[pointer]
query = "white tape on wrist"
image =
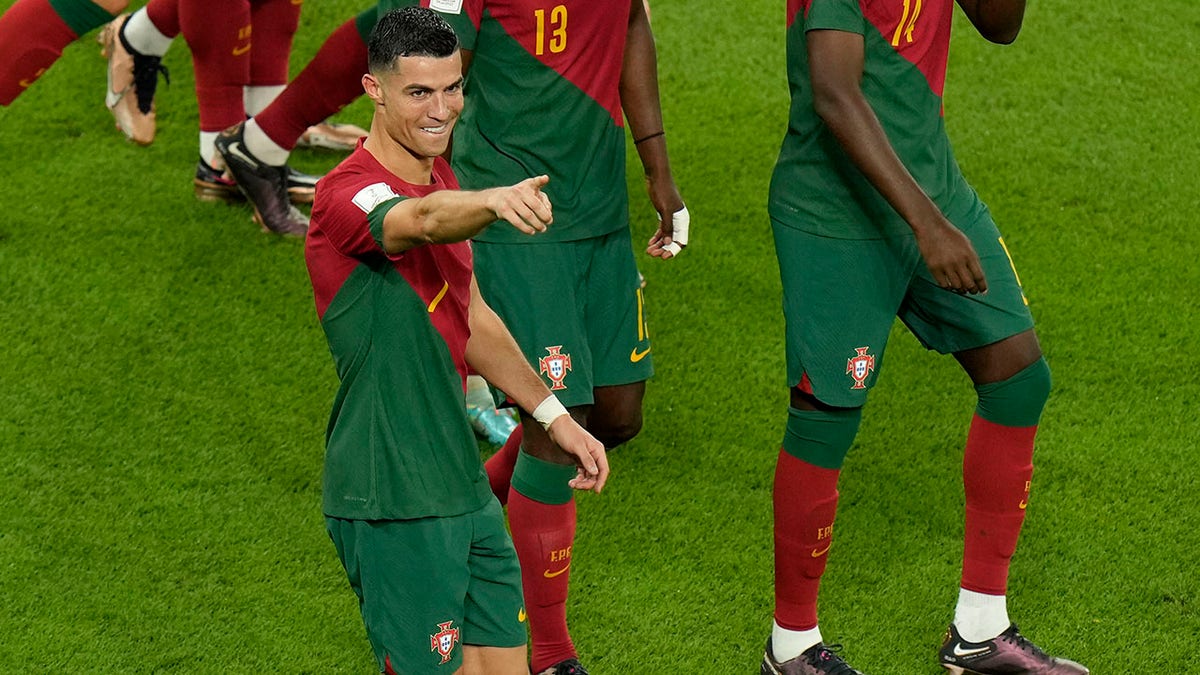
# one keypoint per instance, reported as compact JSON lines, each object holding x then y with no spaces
{"x":680,"y":220}
{"x":549,"y":410}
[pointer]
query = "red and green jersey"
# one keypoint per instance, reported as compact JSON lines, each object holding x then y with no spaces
{"x":398,"y":444}
{"x":816,"y":187}
{"x":543,"y":98}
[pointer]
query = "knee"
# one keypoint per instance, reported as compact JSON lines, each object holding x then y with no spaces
{"x":614,"y":431}
{"x":1019,"y":400}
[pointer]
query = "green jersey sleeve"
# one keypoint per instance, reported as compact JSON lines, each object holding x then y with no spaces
{"x":843,"y":15}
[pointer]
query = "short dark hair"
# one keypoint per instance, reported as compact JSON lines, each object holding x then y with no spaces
{"x":409,"y":31}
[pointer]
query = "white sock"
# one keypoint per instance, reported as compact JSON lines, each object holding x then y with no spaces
{"x":208,"y":149}
{"x":145,"y":38}
{"x":788,"y":644}
{"x":980,"y":617}
{"x":257,"y":98}
{"x":261,"y":146}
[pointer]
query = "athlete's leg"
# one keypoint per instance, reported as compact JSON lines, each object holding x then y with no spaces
{"x":1012,"y":381}
{"x":327,"y":84}
{"x":541,"y":515}
{"x":220,"y":36}
{"x":616,"y":414}
{"x":493,"y":661}
{"x":33,"y":34}
{"x":805,"y":500}
{"x":500,"y":466}
{"x":275,"y":23}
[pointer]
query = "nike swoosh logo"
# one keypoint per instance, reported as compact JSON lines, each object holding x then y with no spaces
{"x":237,"y":150}
{"x":238,"y":51}
{"x":550,"y":575}
{"x":818,"y":554}
{"x":1022,"y":505}
{"x":521,"y":616}
{"x":959,"y":651}
{"x":635,"y":355}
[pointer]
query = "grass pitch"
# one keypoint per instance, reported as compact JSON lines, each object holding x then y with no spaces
{"x":164,"y":383}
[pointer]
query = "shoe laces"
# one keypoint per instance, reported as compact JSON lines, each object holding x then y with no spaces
{"x":1021,"y":642}
{"x":829,"y":660}
{"x":145,"y":79}
{"x":146,"y":68}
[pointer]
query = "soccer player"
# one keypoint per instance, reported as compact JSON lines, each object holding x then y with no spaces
{"x":406,"y":499}
{"x":873,"y":219}
{"x":33,"y":34}
{"x":550,"y":85}
{"x":240,"y":52}
{"x":552,"y":106}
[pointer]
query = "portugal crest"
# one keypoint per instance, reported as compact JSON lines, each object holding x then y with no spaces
{"x":443,"y":641}
{"x":555,"y":366}
{"x":860,"y":366}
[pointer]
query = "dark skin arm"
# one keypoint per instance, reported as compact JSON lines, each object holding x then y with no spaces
{"x":640,"y":101}
{"x":998,"y":21}
{"x":836,"y":62}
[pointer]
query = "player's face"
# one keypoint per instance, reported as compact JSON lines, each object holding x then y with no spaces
{"x":420,"y":101}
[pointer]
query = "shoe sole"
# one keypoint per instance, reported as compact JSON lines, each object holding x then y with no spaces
{"x":210,"y":192}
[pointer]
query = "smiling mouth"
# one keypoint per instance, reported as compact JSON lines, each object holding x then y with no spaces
{"x":436,"y":130}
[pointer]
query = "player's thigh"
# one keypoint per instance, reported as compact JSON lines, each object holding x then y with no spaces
{"x":494,"y":661}
{"x":494,"y":608}
{"x":840,"y":298}
{"x":538,"y":290}
{"x":616,"y":312}
{"x":411,"y":578}
{"x":950,"y":322}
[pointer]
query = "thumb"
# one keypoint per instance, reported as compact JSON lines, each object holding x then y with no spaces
{"x":539,"y":181}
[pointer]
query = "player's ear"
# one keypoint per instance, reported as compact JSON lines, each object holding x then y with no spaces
{"x":372,"y":87}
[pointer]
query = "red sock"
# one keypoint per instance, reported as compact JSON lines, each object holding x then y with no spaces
{"x":275,"y":23}
{"x":220,"y":39}
{"x":997,"y":468}
{"x":164,"y":14}
{"x":543,"y":535}
{"x":332,"y":80}
{"x":32,"y":37}
{"x":500,"y":465}
{"x":805,"y":499}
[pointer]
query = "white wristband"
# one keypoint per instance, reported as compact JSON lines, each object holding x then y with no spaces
{"x":549,"y":410}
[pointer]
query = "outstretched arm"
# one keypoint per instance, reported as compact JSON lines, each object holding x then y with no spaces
{"x":640,"y":101}
{"x":836,"y":62}
{"x":998,"y":21}
{"x":492,"y":352}
{"x":453,"y":215}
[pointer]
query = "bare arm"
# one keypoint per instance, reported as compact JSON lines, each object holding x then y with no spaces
{"x":998,"y":21}
{"x":453,"y":215}
{"x":492,"y":352}
{"x":836,"y":61}
{"x":640,"y":101}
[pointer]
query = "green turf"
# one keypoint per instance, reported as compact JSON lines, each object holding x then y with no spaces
{"x":165,"y":384}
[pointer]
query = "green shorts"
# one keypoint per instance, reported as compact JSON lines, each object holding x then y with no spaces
{"x":427,"y":586}
{"x":575,"y":308}
{"x":840,"y":297}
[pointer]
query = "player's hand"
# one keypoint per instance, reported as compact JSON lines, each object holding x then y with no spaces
{"x":588,"y":453}
{"x":673,"y":219}
{"x":951,"y":258}
{"x":524,"y":205}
